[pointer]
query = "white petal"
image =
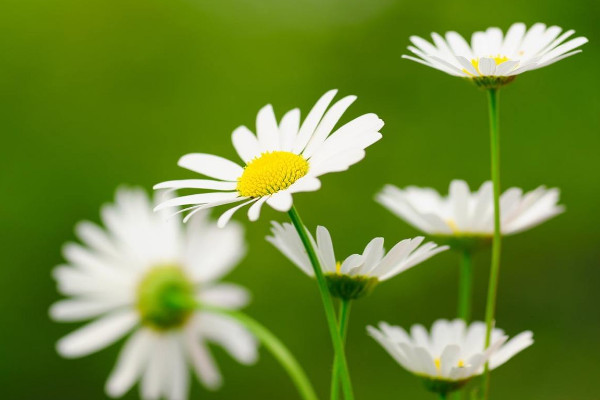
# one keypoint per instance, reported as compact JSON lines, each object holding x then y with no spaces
{"x":200,"y":199}
{"x":266,"y":129}
{"x":82,"y":309}
{"x":326,"y":248}
{"x":245,"y":143}
{"x":312,"y":120}
{"x":196,"y":184}
{"x":211,"y":165}
{"x":130,"y":365}
{"x":281,"y":201}
{"x":254,"y":211}
{"x":225,"y":295}
{"x":327,"y":124}
{"x":487,"y":66}
{"x":511,"y":348}
{"x":204,"y":365}
{"x":288,"y":127}
{"x":226,"y":216}
{"x":98,"y":334}
{"x":231,"y":335}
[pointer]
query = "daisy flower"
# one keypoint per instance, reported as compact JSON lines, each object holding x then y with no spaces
{"x":451,"y":354}
{"x":358,"y":274}
{"x":465,"y":214}
{"x":494,"y":59}
{"x":144,"y":275}
{"x":281,"y":159}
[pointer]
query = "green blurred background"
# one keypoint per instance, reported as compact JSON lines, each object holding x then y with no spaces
{"x":101,"y":92}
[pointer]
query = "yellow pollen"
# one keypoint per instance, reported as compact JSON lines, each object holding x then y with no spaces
{"x":338,"y":267}
{"x":271,"y":172}
{"x":497,"y":59}
{"x":438,"y":364}
{"x":461,"y":364}
{"x":453,"y":226}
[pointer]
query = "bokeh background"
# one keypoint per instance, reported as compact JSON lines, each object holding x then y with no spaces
{"x":97,"y":93}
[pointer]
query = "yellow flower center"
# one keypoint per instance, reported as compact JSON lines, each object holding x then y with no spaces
{"x":270,"y":173}
{"x":338,"y":267}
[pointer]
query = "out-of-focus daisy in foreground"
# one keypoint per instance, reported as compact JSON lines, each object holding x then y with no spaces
{"x":358,"y":274}
{"x":452,"y":354}
{"x":145,"y":274}
{"x":281,"y":159}
{"x":493,"y":59}
{"x":465,"y":214}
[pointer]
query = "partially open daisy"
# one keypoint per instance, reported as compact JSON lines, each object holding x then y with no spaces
{"x":145,"y":274}
{"x":465,"y":214}
{"x":452,"y":354}
{"x":358,"y":274}
{"x":281,"y":159}
{"x":493,"y":59}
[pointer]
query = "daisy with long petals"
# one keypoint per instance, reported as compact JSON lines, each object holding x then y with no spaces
{"x":283,"y":158}
{"x":144,"y":274}
{"x":493,"y":59}
{"x":358,"y":274}
{"x":463,"y":213}
{"x":451,"y":354}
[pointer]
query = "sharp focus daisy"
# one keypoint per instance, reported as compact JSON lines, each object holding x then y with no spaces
{"x":144,"y":275}
{"x":281,"y":159}
{"x":451,"y":354}
{"x":358,"y":274}
{"x":463,"y":213}
{"x":493,"y":59}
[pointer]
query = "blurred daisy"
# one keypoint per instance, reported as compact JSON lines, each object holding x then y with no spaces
{"x":358,"y":274}
{"x":463,"y":213}
{"x":145,"y":275}
{"x":451,"y":354}
{"x":280,"y":160}
{"x":494,"y":59}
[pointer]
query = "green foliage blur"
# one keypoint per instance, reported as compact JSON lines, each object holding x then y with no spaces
{"x":97,"y":93}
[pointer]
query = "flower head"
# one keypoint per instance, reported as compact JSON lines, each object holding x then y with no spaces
{"x":467,"y":215}
{"x":145,"y":274}
{"x":358,"y":274}
{"x":494,"y":59}
{"x":281,"y":159}
{"x":451,"y":354}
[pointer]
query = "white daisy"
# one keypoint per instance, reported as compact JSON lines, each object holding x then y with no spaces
{"x":463,"y":213}
{"x":451,"y":354}
{"x":144,"y":274}
{"x":281,"y":159}
{"x":494,"y":59}
{"x":358,"y":274}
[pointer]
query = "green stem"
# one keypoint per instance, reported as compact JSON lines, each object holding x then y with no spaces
{"x":465,"y":288}
{"x":275,"y":346}
{"x":490,"y":308}
{"x":336,"y":338}
{"x":344,"y":314}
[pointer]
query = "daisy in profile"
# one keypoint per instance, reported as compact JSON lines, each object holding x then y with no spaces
{"x":451,"y":354}
{"x":465,"y":214}
{"x":143,"y":275}
{"x":494,"y":59}
{"x":358,"y":274}
{"x":283,"y":158}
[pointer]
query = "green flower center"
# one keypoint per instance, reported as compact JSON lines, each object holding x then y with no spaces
{"x":350,"y":287}
{"x":165,"y":298}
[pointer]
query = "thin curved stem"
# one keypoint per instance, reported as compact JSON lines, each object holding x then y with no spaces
{"x":343,"y":315}
{"x":336,"y":338}
{"x":465,"y":286}
{"x":275,"y":346}
{"x":490,"y":308}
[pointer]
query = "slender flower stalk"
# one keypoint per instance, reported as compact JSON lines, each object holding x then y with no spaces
{"x":490,"y":309}
{"x":344,"y":315}
{"x":465,"y":288}
{"x":275,"y":346}
{"x":336,"y":338}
